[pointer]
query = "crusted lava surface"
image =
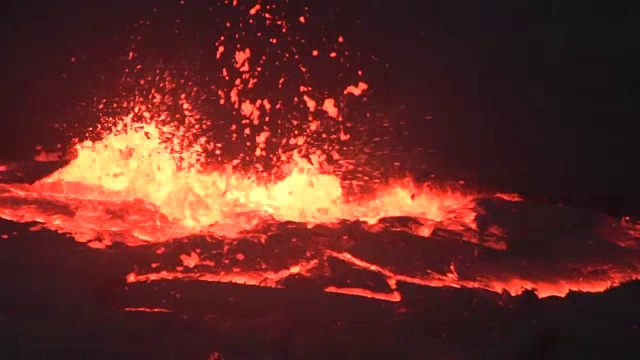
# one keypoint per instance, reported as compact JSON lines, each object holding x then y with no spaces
{"x":455,"y":299}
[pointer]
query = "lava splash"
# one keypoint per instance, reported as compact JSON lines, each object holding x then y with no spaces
{"x":272,"y":194}
{"x":402,"y":233}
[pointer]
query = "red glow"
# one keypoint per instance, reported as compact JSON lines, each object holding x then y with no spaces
{"x":149,"y":180}
{"x":145,"y":309}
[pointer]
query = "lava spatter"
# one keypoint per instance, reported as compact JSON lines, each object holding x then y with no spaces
{"x":247,"y":171}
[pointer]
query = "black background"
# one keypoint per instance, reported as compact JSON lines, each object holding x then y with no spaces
{"x":535,"y":97}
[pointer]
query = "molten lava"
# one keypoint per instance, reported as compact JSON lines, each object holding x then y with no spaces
{"x":153,"y":178}
{"x":127,"y":188}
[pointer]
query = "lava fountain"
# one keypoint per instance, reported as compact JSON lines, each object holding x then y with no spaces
{"x":152,"y":178}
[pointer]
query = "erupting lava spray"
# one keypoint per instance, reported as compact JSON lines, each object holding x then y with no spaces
{"x":159,"y":171}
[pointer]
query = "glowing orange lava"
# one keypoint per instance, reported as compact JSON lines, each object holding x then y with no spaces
{"x":149,"y":179}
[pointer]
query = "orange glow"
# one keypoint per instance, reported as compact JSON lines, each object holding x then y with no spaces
{"x":254,"y":9}
{"x":135,"y":167}
{"x":509,"y":197}
{"x":157,"y":202}
{"x":44,"y":156}
{"x":147,"y":179}
{"x":329,"y":106}
{"x":145,"y":309}
{"x":356,"y":90}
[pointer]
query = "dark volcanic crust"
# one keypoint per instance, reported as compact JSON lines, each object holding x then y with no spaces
{"x":61,"y":299}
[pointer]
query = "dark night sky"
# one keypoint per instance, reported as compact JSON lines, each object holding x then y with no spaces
{"x":534,"y":98}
